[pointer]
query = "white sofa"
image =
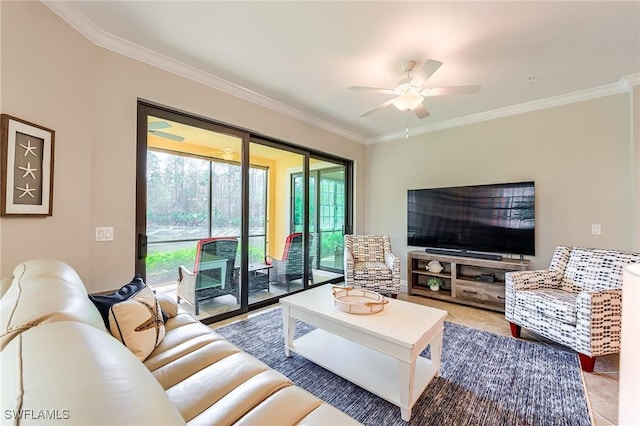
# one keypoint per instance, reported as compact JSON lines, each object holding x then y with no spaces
{"x":60,"y":365}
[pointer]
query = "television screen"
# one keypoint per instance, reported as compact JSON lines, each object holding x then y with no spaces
{"x":498,"y":218}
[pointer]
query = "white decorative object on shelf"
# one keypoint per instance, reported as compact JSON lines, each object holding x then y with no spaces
{"x":358,"y":301}
{"x":435,"y":266}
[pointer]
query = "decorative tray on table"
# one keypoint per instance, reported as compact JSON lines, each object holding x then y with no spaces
{"x":358,"y":301}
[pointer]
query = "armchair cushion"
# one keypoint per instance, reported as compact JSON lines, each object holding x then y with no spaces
{"x":556,"y":304}
{"x":370,"y":270}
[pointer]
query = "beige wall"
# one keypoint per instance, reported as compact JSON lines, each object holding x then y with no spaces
{"x":53,"y":76}
{"x":579,"y":156}
{"x":635,"y":140}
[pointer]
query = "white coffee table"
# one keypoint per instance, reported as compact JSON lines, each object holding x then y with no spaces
{"x":378,"y":352}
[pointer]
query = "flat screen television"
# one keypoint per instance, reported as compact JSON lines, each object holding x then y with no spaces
{"x":497,"y":218}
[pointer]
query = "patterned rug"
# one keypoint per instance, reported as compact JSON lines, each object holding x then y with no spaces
{"x":485,"y":379}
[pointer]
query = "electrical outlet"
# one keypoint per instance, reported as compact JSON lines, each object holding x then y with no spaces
{"x":104,"y":233}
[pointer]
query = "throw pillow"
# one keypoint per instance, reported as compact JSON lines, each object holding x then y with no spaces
{"x":104,"y":301}
{"x":133,"y":315}
{"x":137,"y":323}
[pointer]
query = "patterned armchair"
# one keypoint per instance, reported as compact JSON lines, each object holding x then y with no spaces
{"x":576,"y":302}
{"x":369,"y":263}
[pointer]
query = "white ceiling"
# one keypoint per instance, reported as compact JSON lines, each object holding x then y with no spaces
{"x":300,"y":57}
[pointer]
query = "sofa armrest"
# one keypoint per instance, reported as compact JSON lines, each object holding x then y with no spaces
{"x":599,"y":317}
{"x":526,"y":280}
{"x":84,"y":377}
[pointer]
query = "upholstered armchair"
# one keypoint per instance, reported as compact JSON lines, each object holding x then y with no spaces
{"x":370,"y":264}
{"x":575,"y":302}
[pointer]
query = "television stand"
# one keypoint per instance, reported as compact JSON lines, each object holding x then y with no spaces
{"x":463,"y":253}
{"x":464,"y":279}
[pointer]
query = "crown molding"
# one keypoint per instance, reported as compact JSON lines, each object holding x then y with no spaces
{"x":624,"y":85}
{"x":77,"y":20}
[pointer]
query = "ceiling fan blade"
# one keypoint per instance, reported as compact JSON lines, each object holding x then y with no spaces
{"x":157,"y":125}
{"x":421,"y":111}
{"x":167,"y":135}
{"x":452,"y":90}
{"x":429,"y":68}
{"x":372,"y":89}
{"x":377,"y":108}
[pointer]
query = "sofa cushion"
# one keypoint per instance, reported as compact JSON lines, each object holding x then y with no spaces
{"x":137,"y":322}
{"x":44,"y":291}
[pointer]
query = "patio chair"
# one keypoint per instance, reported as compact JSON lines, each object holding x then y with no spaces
{"x":214,"y":273}
{"x":290,"y":266}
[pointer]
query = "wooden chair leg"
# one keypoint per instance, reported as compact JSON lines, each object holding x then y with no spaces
{"x":587,"y":362}
{"x":515,"y":330}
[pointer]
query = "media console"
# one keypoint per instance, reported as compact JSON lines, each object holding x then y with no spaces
{"x":463,"y":278}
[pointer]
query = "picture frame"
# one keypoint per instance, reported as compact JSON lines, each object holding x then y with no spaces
{"x":26,"y":163}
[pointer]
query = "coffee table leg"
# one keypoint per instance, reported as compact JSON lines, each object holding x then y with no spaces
{"x":406,"y":373}
{"x":436,"y":351}
{"x":289,"y":328}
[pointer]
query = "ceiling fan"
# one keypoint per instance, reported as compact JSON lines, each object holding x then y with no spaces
{"x":154,"y":129}
{"x":411,"y":93}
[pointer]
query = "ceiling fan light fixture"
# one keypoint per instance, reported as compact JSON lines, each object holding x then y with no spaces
{"x":407,"y":102}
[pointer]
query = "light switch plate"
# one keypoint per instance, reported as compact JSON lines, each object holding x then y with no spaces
{"x":596,"y":229}
{"x":104,"y":233}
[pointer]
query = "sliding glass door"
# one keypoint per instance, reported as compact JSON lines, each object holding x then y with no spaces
{"x":192,"y":221}
{"x":284,"y":260}
{"x":327,"y":212}
{"x":227,"y":221}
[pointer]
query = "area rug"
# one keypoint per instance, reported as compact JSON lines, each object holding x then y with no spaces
{"x":485,"y":379}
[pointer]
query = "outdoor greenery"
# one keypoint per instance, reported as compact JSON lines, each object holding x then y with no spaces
{"x":190,"y":198}
{"x":162,"y":266}
{"x":178,"y":189}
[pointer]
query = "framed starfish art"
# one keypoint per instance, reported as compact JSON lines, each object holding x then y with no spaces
{"x":26,"y":163}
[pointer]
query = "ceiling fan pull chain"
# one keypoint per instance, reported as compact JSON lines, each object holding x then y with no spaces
{"x":406,"y":132}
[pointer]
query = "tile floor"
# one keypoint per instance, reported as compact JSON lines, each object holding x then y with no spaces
{"x":602,"y":384}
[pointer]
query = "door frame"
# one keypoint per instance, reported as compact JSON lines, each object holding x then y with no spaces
{"x":146,"y":108}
